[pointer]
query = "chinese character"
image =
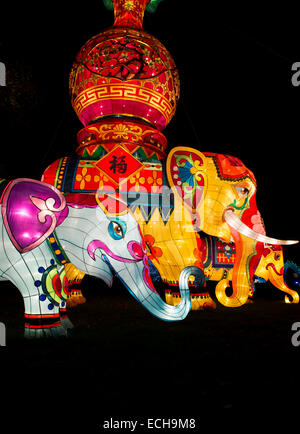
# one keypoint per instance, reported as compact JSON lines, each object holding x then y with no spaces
{"x":118,"y":164}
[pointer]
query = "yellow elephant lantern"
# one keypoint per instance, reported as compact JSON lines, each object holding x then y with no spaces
{"x":219,"y":256}
{"x":219,"y":192}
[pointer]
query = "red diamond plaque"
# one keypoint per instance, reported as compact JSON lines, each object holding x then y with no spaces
{"x":118,"y":165}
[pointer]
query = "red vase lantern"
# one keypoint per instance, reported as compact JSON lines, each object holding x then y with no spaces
{"x":124,"y":88}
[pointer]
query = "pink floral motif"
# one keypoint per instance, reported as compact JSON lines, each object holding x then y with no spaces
{"x":257,"y":224}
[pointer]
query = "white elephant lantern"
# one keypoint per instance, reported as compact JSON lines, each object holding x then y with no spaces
{"x":101,"y":238}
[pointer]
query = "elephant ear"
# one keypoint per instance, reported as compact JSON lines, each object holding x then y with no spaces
{"x":185,"y":171}
{"x":31,"y":210}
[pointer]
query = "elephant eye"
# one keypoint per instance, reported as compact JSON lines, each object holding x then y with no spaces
{"x":116,"y":230}
{"x":243,"y":191}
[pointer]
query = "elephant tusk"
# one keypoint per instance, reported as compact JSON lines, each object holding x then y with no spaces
{"x":234,"y":222}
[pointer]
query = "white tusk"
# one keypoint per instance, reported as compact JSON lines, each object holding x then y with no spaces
{"x":233,"y":221}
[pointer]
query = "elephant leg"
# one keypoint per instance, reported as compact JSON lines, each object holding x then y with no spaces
{"x":65,"y":320}
{"x":35,"y":275}
{"x":65,"y":293}
{"x":200,"y":299}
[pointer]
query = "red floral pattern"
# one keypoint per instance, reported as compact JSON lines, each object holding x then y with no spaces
{"x":125,"y":59}
{"x":153,"y":252}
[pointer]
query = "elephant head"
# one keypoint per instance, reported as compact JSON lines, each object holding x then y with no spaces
{"x":102,"y":238}
{"x":219,"y":191}
{"x":271,"y":267}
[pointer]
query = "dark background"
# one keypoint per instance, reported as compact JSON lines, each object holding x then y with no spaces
{"x":237,"y":98}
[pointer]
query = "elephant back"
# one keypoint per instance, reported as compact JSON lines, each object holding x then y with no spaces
{"x":146,"y":189}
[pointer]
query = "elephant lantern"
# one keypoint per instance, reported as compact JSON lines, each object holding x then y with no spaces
{"x":41,"y":230}
{"x":124,"y":88}
{"x":218,"y":258}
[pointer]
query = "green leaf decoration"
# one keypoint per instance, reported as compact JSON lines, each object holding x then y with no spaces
{"x":183,"y":157}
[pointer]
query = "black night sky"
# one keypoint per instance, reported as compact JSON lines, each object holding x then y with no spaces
{"x":237,"y":98}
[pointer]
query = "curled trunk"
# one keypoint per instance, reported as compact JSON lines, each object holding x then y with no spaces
{"x":151,"y":300}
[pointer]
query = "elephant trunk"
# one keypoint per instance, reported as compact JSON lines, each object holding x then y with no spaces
{"x":151,"y":300}
{"x":242,"y":275}
{"x":276,"y":278}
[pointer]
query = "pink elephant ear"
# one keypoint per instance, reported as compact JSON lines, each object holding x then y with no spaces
{"x":31,"y":210}
{"x":185,"y":171}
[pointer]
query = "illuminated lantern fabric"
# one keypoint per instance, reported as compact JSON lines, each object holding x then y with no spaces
{"x":42,"y":230}
{"x":125,"y":71}
{"x":124,"y":88}
{"x":218,"y":258}
{"x":220,"y":191}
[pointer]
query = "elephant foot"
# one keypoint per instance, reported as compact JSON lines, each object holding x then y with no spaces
{"x":50,"y":332}
{"x":200,"y":301}
{"x":169,"y":297}
{"x":209,"y":305}
{"x":66,"y":322}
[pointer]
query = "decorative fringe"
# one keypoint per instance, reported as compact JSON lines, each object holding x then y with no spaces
{"x":74,"y":275}
{"x":75,"y":297}
{"x":199,"y":301}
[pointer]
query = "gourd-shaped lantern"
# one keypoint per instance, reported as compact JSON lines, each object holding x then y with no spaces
{"x":124,"y":88}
